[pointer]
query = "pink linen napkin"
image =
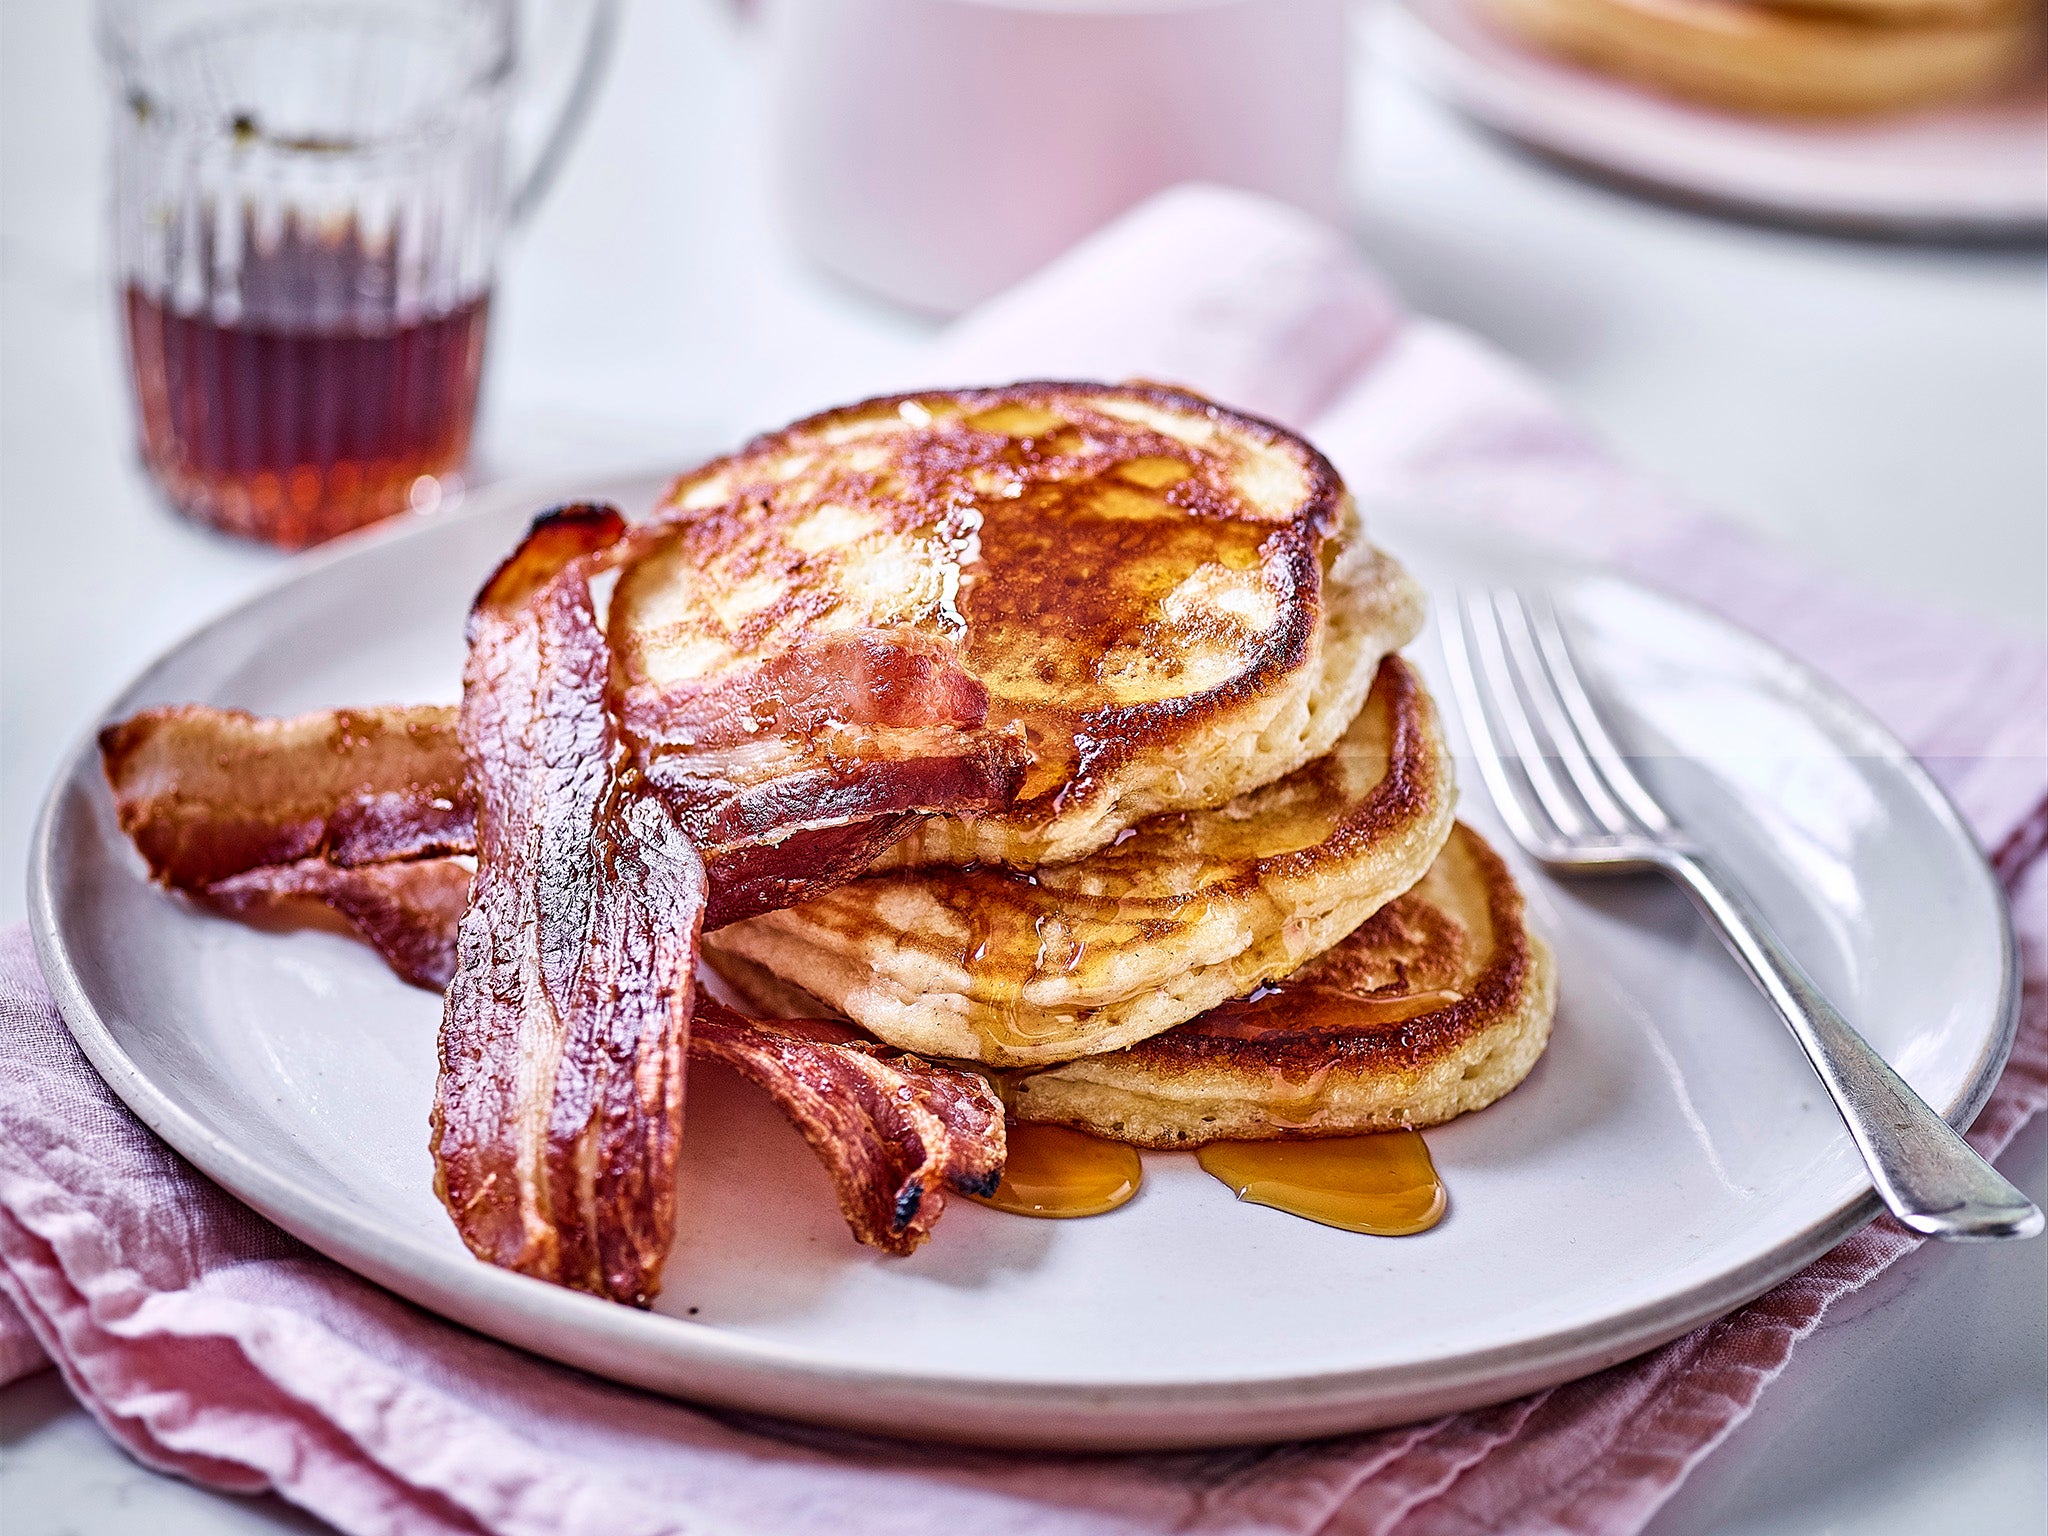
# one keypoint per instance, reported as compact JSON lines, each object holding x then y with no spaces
{"x":211,"y":1345}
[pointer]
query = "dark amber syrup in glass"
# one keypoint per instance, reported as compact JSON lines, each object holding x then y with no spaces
{"x":294,"y":423}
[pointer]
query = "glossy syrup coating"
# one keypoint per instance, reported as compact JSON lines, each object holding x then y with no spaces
{"x":1056,"y":1173}
{"x":1435,"y":1006}
{"x":1178,"y":915}
{"x":1385,"y":1184}
{"x":1119,"y":577}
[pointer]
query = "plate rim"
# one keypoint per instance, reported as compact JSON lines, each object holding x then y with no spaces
{"x":699,"y":1362}
{"x":1413,"y":36}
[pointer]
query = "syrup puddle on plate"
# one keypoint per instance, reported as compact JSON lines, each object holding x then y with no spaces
{"x":1384,"y":1183}
{"x":1052,"y":1171}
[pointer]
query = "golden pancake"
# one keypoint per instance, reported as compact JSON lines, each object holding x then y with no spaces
{"x":1170,"y":603}
{"x":1435,"y":1006}
{"x":1819,"y":59}
{"x":1183,"y":912}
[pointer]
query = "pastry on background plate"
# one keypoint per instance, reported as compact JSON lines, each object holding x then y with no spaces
{"x":1799,"y":57}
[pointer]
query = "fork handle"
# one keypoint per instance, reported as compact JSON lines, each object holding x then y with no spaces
{"x":1929,"y":1176}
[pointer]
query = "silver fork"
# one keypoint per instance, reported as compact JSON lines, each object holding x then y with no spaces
{"x":1571,"y":800}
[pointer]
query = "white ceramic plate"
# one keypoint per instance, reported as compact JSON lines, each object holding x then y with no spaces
{"x":1978,"y":170}
{"x":1669,"y":1158}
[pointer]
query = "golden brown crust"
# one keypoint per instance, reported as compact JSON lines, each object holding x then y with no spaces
{"x":1907,"y":13}
{"x":1412,"y":945}
{"x":1186,"y":911}
{"x":1116,"y":572}
{"x":1306,"y":1059}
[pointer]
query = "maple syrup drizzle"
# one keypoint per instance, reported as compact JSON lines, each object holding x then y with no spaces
{"x":1053,"y":1171}
{"x":1081,"y":534}
{"x":1384,"y":1183}
{"x":1016,"y":419}
{"x":1000,"y":972}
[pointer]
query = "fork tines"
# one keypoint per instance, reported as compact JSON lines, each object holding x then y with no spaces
{"x":1562,"y":785}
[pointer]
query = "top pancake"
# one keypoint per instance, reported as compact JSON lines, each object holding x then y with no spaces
{"x":1167,"y":601}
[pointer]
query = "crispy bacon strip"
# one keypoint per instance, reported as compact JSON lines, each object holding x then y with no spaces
{"x":803,"y":767}
{"x":863,"y":677}
{"x":355,"y":787}
{"x":569,"y":974}
{"x":210,"y":793}
{"x":566,"y":1028}
{"x":893,"y":1130}
{"x":407,"y":911}
{"x":204,"y":833}
{"x":771,"y":843}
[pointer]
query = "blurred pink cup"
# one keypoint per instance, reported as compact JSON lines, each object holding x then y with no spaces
{"x":935,"y":151}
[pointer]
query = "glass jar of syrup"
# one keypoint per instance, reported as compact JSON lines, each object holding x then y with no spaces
{"x":309,"y":196}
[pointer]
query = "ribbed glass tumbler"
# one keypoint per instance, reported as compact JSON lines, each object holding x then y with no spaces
{"x":308,"y":201}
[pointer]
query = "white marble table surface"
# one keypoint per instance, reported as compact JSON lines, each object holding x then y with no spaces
{"x":1881,"y":409}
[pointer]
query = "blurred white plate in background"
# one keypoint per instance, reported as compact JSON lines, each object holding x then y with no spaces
{"x":1979,"y":170}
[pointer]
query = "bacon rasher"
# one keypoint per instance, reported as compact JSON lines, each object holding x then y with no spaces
{"x":775,"y":818}
{"x":209,"y":793}
{"x":569,"y":979}
{"x":763,"y":849}
{"x":406,"y":911}
{"x":566,"y":1028}
{"x":894,"y":1130}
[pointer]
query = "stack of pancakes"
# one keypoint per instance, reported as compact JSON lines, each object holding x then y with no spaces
{"x":1230,"y":899}
{"x":1813,"y":57}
